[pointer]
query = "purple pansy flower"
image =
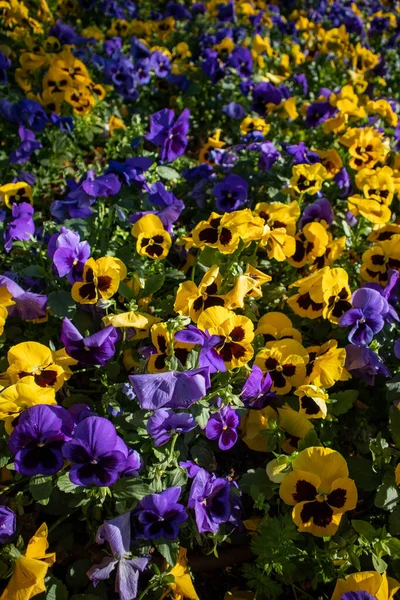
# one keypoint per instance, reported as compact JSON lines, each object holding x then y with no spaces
{"x":209,"y":496}
{"x":160,"y":63}
{"x":301,"y":154}
{"x":256,"y":390}
{"x":230,"y":193}
{"x":28,"y":306}
{"x":318,"y":112}
{"x":364,"y":363}
{"x":222,"y":426}
{"x":104,"y":185}
{"x":359,"y":595}
{"x":5,"y":63}
{"x":320,"y":210}
{"x":37,"y":440}
{"x":208,"y":357}
{"x":391,"y":293}
{"x":7,"y":524}
{"x":190,"y":467}
{"x":96,"y":349}
{"x":21,"y":227}
{"x":131,"y":170}
{"x":168,"y":133}
{"x":366,"y":317}
{"x":159,"y":515}
{"x":170,"y":206}
{"x":69,"y":254}
{"x":172,"y":389}
{"x":117,"y":532}
{"x":29,"y":144}
{"x":97,"y":453}
{"x":234,"y":110}
{"x":242,"y":60}
{"x":164,"y":423}
{"x":269,"y":156}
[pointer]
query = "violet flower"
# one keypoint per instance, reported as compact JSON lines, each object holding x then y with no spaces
{"x":269,"y":156}
{"x":69,"y":254}
{"x":168,"y":133}
{"x":159,"y":515}
{"x":104,"y":185}
{"x":397,"y":349}
{"x":222,"y":426}
{"x":366,"y":317}
{"x":242,"y":60}
{"x":164,"y":423}
{"x":359,"y":595}
{"x":208,"y":356}
{"x":96,"y":349}
{"x":29,"y":144}
{"x":28,"y":306}
{"x":230,"y":193}
{"x":170,"y":206}
{"x":234,"y":110}
{"x":37,"y":439}
{"x":117,"y":532}
{"x":209,"y":496}
{"x":190,"y":467}
{"x":256,"y":390}
{"x":172,"y":389}
{"x":160,"y":63}
{"x":7,"y":524}
{"x":131,"y":170}
{"x":391,"y":293}
{"x":21,"y":227}
{"x":97,"y":453}
{"x":364,"y":363}
{"x":5,"y":63}
{"x":320,"y":210}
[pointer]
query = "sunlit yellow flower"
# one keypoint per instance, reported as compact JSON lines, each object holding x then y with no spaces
{"x":275,"y":326}
{"x":312,"y":401}
{"x":366,"y":147}
{"x":285,"y":360}
{"x":332,"y":252}
{"x":380,"y":258}
{"x":363,"y":59}
{"x":115,"y":123}
{"x":336,"y":294}
{"x":334,"y":41}
{"x":278,"y":215}
{"x":384,"y":232}
{"x":165,"y":346}
{"x":320,"y":490}
{"x":307,"y":178}
{"x":311,"y":243}
{"x":326,"y":364}
{"x":248,"y":284}
{"x":309,"y":301}
{"x":182,"y":586}
{"x":153,"y":241}
{"x":250,"y":124}
{"x":19,"y":396}
{"x":191,"y":299}
{"x":101,"y":279}
{"x":377,"y":585}
{"x":331,"y":161}
{"x":253,"y":424}
{"x":383,"y":108}
{"x":119,"y":27}
{"x":347,"y":102}
{"x":15,"y":193}
{"x":138,"y":323}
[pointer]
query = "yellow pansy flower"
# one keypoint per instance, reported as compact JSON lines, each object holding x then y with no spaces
{"x":15,"y":193}
{"x":285,"y":360}
{"x":377,"y":585}
{"x":253,"y":424}
{"x":101,"y":279}
{"x":153,"y":241}
{"x":182,"y":586}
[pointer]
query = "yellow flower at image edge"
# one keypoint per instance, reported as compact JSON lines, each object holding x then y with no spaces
{"x":15,"y":193}
{"x":320,"y":490}
{"x":182,"y":587}
{"x":31,"y":569}
{"x":378,"y":586}
{"x":152,"y":239}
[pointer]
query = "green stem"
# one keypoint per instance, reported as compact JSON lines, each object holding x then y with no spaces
{"x":143,"y":594}
{"x":172,"y":449}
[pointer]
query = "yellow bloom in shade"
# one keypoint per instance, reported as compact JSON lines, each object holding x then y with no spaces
{"x":30,"y":570}
{"x":295,"y":424}
{"x":312,"y":400}
{"x":307,"y":178}
{"x":152,"y":239}
{"x":191,"y":299}
{"x":320,"y":490}
{"x":139,"y":323}
{"x":236,"y":333}
{"x":182,"y":586}
{"x":101,"y":279}
{"x":275,"y":326}
{"x":31,"y":359}
{"x":115,"y":123}
{"x":253,"y":424}
{"x":397,"y":474}
{"x":326,"y":364}
{"x":165,"y":346}
{"x":15,"y":193}
{"x":19,"y":396}
{"x":212,"y":143}
{"x":376,"y":585}
{"x":285,"y":361}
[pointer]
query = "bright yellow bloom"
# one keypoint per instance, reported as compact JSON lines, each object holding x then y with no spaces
{"x":115,"y":123}
{"x":191,"y":299}
{"x":139,"y":323}
{"x":383,"y":108}
{"x":165,"y":346}
{"x":182,"y":586}
{"x":253,"y":423}
{"x":30,"y":569}
{"x":336,"y":294}
{"x":326,"y":364}
{"x":101,"y":279}
{"x":248,"y":284}
{"x":366,"y":147}
{"x":378,"y":187}
{"x":331,"y":161}
{"x":307,"y":179}
{"x":295,"y":424}
{"x":320,"y":490}
{"x":311,"y":243}
{"x":285,"y":360}
{"x":312,"y":401}
{"x":278,"y":215}
{"x":380,"y":258}
{"x":19,"y":396}
{"x":153,"y":241}
{"x":250,"y":124}
{"x":378,"y":586}
{"x":363,"y":59}
{"x":309,"y":301}
{"x":15,"y":193}
{"x":275,"y":326}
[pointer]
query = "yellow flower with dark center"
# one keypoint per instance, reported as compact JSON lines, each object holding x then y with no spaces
{"x":320,"y":490}
{"x":285,"y":110}
{"x":253,"y":424}
{"x":236,"y":333}
{"x":114,"y":123}
{"x":347,"y":102}
{"x":366,"y":147}
{"x":30,"y":569}
{"x":213,"y":233}
{"x":384,"y":233}
{"x":153,"y":241}
{"x":165,"y":347}
{"x":278,"y":243}
{"x":66,"y":64}
{"x":164,"y":28}
{"x":278,"y":215}
{"x":212,"y":143}
{"x":378,"y":187}
{"x":332,"y":252}
{"x":274,"y":326}
{"x":337,"y":294}
{"x":326,"y":364}
{"x":20,"y":396}
{"x":363,"y":59}
{"x":191,"y":299}
{"x":31,"y":359}
{"x":119,"y":27}
{"x":312,"y":401}
{"x":285,"y":360}
{"x":250,"y":124}
{"x":377,"y":585}
{"x":380,"y":258}
{"x":101,"y":279}
{"x":335,"y":41}
{"x":331,"y":161}
{"x":80,"y":99}
{"x":182,"y":586}
{"x":309,"y":301}
{"x":311,"y":243}
{"x":15,"y":193}
{"x":295,"y":424}
{"x":307,"y":179}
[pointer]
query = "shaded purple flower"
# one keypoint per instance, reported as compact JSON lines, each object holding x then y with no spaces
{"x":234,"y":110}
{"x":21,"y":227}
{"x":209,"y":496}
{"x":190,"y":467}
{"x":69,"y":254}
{"x":37,"y":440}
{"x":134,"y":462}
{"x":64,"y":124}
{"x":212,"y":66}
{"x":208,"y":357}
{"x":318,"y":112}
{"x":7,"y":524}
{"x":131,"y":170}
{"x":397,"y":349}
{"x":342,"y":180}
{"x":96,"y":349}
{"x":117,"y":532}
{"x":5,"y":63}
{"x":172,"y":389}
{"x":222,"y":426}
{"x":269,"y":156}
{"x":29,"y":144}
{"x":105,"y":185}
{"x":159,"y":515}
{"x":391,"y":293}
{"x":230,"y":193}
{"x":28,"y":305}
{"x":265,"y":93}
{"x":366,"y":316}
{"x":301,"y":154}
{"x":170,"y":206}
{"x":320,"y":210}
{"x":301,"y":81}
{"x":168,"y":133}
{"x":360,"y":595}
{"x":96,"y":452}
{"x":165,"y":423}
{"x":256,"y":390}
{"x":31,"y":114}
{"x":364,"y":363}
{"x":242,"y":60}
{"x":160,"y":63}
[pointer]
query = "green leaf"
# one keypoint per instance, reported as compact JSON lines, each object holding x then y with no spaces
{"x":56,"y":590}
{"x":40,"y":486}
{"x":169,"y":550}
{"x":394,"y":521}
{"x":85,"y":597}
{"x":310,"y":440}
{"x":126,"y":291}
{"x":394,"y":424}
{"x":131,"y":488}
{"x":65,"y":485}
{"x":202,"y":454}
{"x":152,"y":285}
{"x":392,"y":547}
{"x":167,"y":173}
{"x":379,"y":564}
{"x":361,"y":471}
{"x":343,"y":401}
{"x":34,"y":271}
{"x":61,"y":304}
{"x":387,"y":495}
{"x":256,"y":482}
{"x":364,"y":529}
{"x":177,"y":477}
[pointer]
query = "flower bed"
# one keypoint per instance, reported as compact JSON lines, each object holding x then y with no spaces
{"x":200,"y":382}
